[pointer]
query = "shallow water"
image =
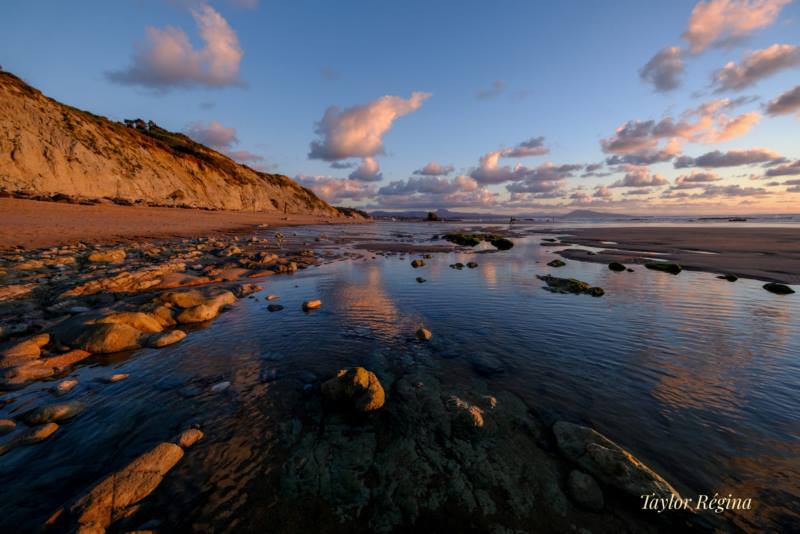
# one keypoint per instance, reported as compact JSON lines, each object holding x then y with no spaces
{"x":699,"y":377}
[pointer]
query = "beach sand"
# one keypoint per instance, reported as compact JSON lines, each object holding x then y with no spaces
{"x":764,"y":253}
{"x":35,"y":224}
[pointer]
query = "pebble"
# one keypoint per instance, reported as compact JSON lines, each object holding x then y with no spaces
{"x":220,"y":386}
{"x":424,"y":334}
{"x":117,"y":377}
{"x":272,"y":297}
{"x":65,"y":386}
{"x":312,"y":304}
{"x":274,"y":307}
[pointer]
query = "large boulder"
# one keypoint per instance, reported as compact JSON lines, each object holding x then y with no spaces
{"x":104,"y":338}
{"x":139,"y":320}
{"x":608,"y":462}
{"x":22,"y":351}
{"x":356,"y":387}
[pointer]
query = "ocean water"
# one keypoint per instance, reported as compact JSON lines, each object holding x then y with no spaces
{"x":699,"y":377}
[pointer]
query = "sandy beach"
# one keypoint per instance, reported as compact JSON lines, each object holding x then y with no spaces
{"x":35,"y":224}
{"x":764,"y":253}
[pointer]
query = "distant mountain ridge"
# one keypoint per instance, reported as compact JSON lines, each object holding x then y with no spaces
{"x":452,"y":215}
{"x":49,"y":149}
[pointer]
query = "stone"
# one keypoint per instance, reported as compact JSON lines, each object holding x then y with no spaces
{"x":220,"y":387}
{"x":467,"y":416}
{"x":424,"y":334}
{"x":728,"y":277}
{"x":53,"y":413}
{"x":570,"y":285}
{"x":501,"y":243}
{"x":29,"y":437}
{"x":312,"y":304}
{"x":245,"y":290}
{"x":65,"y":386}
{"x":664,"y":266}
{"x":274,"y":307}
{"x":105,"y":338}
{"x":584,"y":490}
{"x":189,"y":437}
{"x":138,"y":320}
{"x":778,"y":289}
{"x":556,"y":263}
{"x":41,"y":368}
{"x":417,"y":263}
{"x":272,"y":297}
{"x":125,"y":282}
{"x":29,"y":349}
{"x":158,"y":341}
{"x":616,"y":267}
{"x":465,"y":240}
{"x":183,"y":299}
{"x":113,"y":497}
{"x":198,"y":314}
{"x":113,"y":379}
{"x":6,"y":426}
{"x":357,"y":387}
{"x":472,"y":265}
{"x":421,"y":280}
{"x":457,"y":266}
{"x":608,"y":462}
{"x":107,"y":256}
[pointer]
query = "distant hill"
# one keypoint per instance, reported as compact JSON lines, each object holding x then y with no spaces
{"x":594,"y":215}
{"x":459,"y":215}
{"x":48,"y":149}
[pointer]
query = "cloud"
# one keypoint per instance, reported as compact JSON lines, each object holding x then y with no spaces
{"x":343,"y":164}
{"x":639,"y":177}
{"x":167,"y":58}
{"x":756,"y":66}
{"x":245,"y":156}
{"x":544,"y":178}
{"x":335,"y":190}
{"x":602,"y":191}
{"x":723,"y":22}
{"x":788,"y":102}
{"x":214,"y":135}
{"x":731,"y":158}
{"x":357,"y":132}
{"x":695,"y":180}
{"x":790,"y":169}
{"x":434,"y":169}
{"x":664,"y":70}
{"x":434,"y":191}
{"x":532,"y":147}
{"x":496,"y":89}
{"x":732,"y":191}
{"x":368,"y":171}
{"x":639,"y":142}
{"x":432,"y":185}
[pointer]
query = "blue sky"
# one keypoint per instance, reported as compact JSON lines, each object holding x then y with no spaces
{"x":498,"y":75}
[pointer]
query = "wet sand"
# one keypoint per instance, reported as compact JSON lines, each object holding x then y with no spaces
{"x":35,"y":224}
{"x":763,"y":253}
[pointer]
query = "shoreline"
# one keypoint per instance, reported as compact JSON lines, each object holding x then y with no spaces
{"x":35,"y":224}
{"x":770,"y":254}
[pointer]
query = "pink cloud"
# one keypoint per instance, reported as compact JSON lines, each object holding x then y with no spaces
{"x":368,"y":171}
{"x":788,"y":102}
{"x":640,"y":177}
{"x":168,"y":59}
{"x":721,"y":22}
{"x":434,"y":169}
{"x":757,"y":66}
{"x":214,"y":134}
{"x":335,"y":190}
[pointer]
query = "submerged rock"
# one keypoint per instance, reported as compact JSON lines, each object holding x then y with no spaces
{"x":274,"y":307}
{"x":556,"y":263}
{"x":609,"y":462}
{"x":616,"y":267}
{"x":664,"y":266}
{"x":584,"y":490}
{"x":570,"y":285}
{"x":29,"y":437}
{"x":312,"y":304}
{"x":778,"y":289}
{"x":53,"y":413}
{"x":417,"y":263}
{"x":357,"y":387}
{"x":424,"y":334}
{"x":6,"y":426}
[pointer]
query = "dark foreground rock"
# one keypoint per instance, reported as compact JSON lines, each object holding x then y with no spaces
{"x":357,"y":388}
{"x":778,"y":289}
{"x":570,"y":285}
{"x":664,"y":267}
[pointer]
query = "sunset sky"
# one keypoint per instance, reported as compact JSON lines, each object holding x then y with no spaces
{"x":639,"y":107}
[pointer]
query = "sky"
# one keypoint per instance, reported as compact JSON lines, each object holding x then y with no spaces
{"x":678,"y":107}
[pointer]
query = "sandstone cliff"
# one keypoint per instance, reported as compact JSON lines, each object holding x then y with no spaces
{"x":48,"y":149}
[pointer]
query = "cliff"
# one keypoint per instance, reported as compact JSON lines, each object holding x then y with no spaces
{"x":51,"y":150}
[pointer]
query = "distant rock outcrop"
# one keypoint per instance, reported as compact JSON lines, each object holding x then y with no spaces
{"x":49,"y":150}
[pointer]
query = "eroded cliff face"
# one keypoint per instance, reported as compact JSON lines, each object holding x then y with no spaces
{"x":48,"y":148}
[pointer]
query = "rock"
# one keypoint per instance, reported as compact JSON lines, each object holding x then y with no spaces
{"x":501,"y":243}
{"x":468,"y":417}
{"x":616,"y":267}
{"x":198,"y":314}
{"x":608,"y":462}
{"x":220,"y":387}
{"x":312,"y":304}
{"x":104,"y":338}
{"x":272,"y":297}
{"x":29,"y":437}
{"x":556,"y":263}
{"x":113,"y":379}
{"x":472,"y":265}
{"x":6,"y":426}
{"x":778,"y":289}
{"x":114,"y":497}
{"x":158,"y":341}
{"x":245,"y":290}
{"x":274,"y":307}
{"x":424,"y":334}
{"x":417,"y":263}
{"x":728,"y":277}
{"x":666,"y":267}
{"x":486,"y":365}
{"x":16,"y":290}
{"x":125,"y":282}
{"x":65,"y":386}
{"x":183,"y":299}
{"x":570,"y":285}
{"x":41,"y":368}
{"x":19,"y":352}
{"x":584,"y":490}
{"x":53,"y":413}
{"x":189,"y":437}
{"x":108,"y":256}
{"x":465,"y":240}
{"x":137,"y":320}
{"x":356,"y":387}
{"x":457,"y":266}
{"x":421,"y":280}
